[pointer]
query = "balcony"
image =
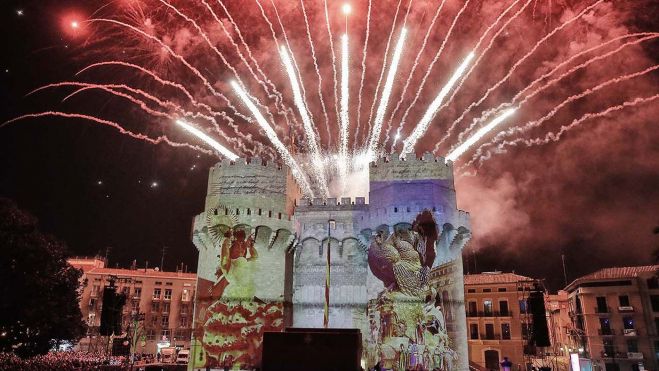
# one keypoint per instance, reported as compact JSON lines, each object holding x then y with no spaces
{"x":606,"y":332}
{"x":602,"y":310}
{"x":491,"y":337}
{"x":489,"y":314}
{"x":625,"y":309}
{"x":635,"y":355}
{"x":630,"y":332}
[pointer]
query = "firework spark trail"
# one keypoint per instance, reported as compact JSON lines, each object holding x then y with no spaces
{"x":121,"y":129}
{"x":312,"y":142}
{"x":361,"y":81}
{"x":414,"y":66}
{"x":246,"y":46}
{"x":187,"y":64}
{"x":210,"y":44}
{"x":230,"y":121}
{"x":514,"y":101}
{"x":478,"y":60}
{"x":210,"y":141}
{"x":288,"y":45}
{"x":572,"y":98}
{"x":384,"y":67}
{"x":316,"y":67}
{"x":386,"y":92}
{"x":345,"y":91}
{"x":554,"y":137}
{"x":421,"y":128}
{"x":464,"y":146}
{"x":536,"y":123}
{"x":272,"y":135}
{"x":345,"y":116}
{"x":520,"y":61}
{"x":435,"y":59}
{"x":331,"y":44}
{"x":264,"y":81}
{"x":168,"y":105}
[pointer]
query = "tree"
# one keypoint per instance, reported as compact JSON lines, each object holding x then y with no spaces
{"x":38,"y":288}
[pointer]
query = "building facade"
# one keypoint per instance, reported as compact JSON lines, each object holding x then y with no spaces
{"x":165,"y":299}
{"x":263,"y":255}
{"x":614,"y":316}
{"x":498,"y":320}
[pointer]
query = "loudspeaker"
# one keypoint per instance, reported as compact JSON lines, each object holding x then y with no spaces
{"x":107,"y":312}
{"x":298,"y":349}
{"x":540,"y":333}
{"x":111,"y":312}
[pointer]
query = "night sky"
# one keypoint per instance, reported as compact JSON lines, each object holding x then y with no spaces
{"x":593,"y":196}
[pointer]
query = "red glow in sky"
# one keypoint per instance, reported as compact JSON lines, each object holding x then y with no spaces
{"x":72,"y":24}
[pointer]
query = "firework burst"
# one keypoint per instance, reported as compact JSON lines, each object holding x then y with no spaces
{"x":263,"y":78}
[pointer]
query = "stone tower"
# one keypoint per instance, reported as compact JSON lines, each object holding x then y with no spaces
{"x":395,"y":263}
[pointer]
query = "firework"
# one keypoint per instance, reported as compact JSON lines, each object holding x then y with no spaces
{"x":201,"y":44}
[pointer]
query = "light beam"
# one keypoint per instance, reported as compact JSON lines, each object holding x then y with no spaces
{"x":422,"y":126}
{"x":464,"y":146}
{"x":224,"y":151}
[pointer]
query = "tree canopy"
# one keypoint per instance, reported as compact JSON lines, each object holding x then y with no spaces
{"x":38,"y":288}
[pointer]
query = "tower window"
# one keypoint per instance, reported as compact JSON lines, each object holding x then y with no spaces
{"x":269,"y":213}
{"x":237,"y":211}
{"x":260,"y":211}
{"x":249,"y":211}
{"x":395,"y":209}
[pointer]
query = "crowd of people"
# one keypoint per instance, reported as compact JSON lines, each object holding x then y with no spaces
{"x":60,"y":361}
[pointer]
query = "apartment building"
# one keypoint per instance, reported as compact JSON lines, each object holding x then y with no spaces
{"x":158,"y":305}
{"x":498,"y":320}
{"x":614,"y":316}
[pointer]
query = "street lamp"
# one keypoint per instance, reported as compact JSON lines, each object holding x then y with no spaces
{"x":331,"y":224}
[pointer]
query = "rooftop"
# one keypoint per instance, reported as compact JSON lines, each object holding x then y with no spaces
{"x":140,"y":272}
{"x":493,"y":278}
{"x":615,"y":273}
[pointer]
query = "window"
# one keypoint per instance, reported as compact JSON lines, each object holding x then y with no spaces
{"x":95,"y":290}
{"x":623,"y":300}
{"x":156,"y":293}
{"x":501,"y":289}
{"x":184,"y":321}
{"x":395,"y":209}
{"x":169,"y":283}
{"x":653,"y":282}
{"x":185,"y":308}
{"x":654,"y":299}
{"x":158,"y":283}
{"x":165,"y":333}
{"x":487,"y":307}
{"x":185,"y":295}
{"x":135,"y":305}
{"x":609,"y":349}
{"x":249,"y":211}
{"x":473,"y":331}
{"x":155,"y":307}
{"x":137,"y":293}
{"x":125,"y":290}
{"x":632,"y":345}
{"x":601,"y":305}
{"x":489,"y":331}
{"x":503,"y":307}
{"x":154,"y":319}
{"x":487,"y":290}
{"x":151,"y":334}
{"x":628,"y":322}
{"x":472,"y":308}
{"x":260,"y":212}
{"x":165,"y":307}
{"x":605,"y":326}
{"x":522,"y":306}
{"x":525,"y":331}
{"x":164,"y":321}
{"x":269,"y":213}
{"x":168,"y":294}
{"x":471,"y":291}
{"x":505,"y":331}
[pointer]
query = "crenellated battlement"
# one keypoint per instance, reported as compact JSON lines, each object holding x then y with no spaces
{"x":399,"y":167}
{"x":331,"y":203}
{"x":250,"y":162}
